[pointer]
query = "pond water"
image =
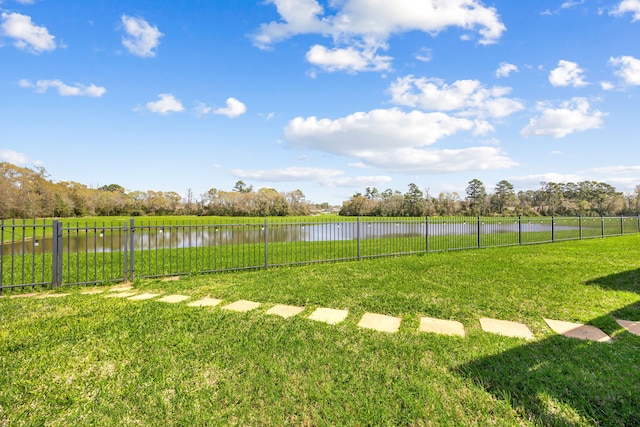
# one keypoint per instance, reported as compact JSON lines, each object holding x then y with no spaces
{"x":95,"y":239}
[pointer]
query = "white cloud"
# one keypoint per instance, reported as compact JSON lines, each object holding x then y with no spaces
{"x":536,"y":179}
{"x":349,"y":59}
{"x":27,"y":35}
{"x":424,"y":55}
{"x":78,"y":89}
{"x":324,"y":177}
{"x":360,"y":28}
{"x":567,"y":74}
{"x":372,"y":131}
{"x":628,"y":69}
{"x":572,"y":116}
{"x":505,"y":69}
{"x":420,"y":160}
{"x":617,"y":169}
{"x":141,"y":39}
{"x":395,"y":140}
{"x":233,"y":109}
{"x":466,"y":97}
{"x":202,"y":109}
{"x":291,"y":174}
{"x":357,"y":181}
{"x":11,"y":156}
{"x":628,"y":6}
{"x":607,"y":85}
{"x":571,"y":3}
{"x":165,"y":105}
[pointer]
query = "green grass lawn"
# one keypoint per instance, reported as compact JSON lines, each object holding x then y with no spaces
{"x":91,"y":360}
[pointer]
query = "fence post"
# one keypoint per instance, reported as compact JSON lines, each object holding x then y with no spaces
{"x":479,"y":237}
{"x":56,"y":255}
{"x":125,"y":259}
{"x":426,"y":234}
{"x":602,"y":226}
{"x":553,"y":228}
{"x":622,"y":224}
{"x":132,"y":266}
{"x":266,"y":243}
{"x":520,"y":230}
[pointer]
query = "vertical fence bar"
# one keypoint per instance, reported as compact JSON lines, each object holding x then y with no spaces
{"x":621,"y":224}
{"x":580,"y":225}
{"x":602,"y":226}
{"x":125,"y":244}
{"x":553,"y":228}
{"x":54,"y":255}
{"x":132,"y":267}
{"x":479,"y":236}
{"x":426,"y":234}
{"x":358,"y":236}
{"x":266,"y":243}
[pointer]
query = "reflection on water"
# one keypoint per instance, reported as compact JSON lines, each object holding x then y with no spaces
{"x":92,"y":240}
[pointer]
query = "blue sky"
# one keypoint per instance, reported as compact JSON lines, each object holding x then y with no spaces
{"x":328,"y":97}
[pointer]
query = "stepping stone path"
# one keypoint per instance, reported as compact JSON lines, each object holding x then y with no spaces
{"x":121,"y":294}
{"x":92,"y":292}
{"x":53,"y":295}
{"x":578,"y":330}
{"x":144,"y":296}
{"x":506,"y":328}
{"x":121,"y":288}
{"x":631,"y":327}
{"x":285,"y":311}
{"x":242,"y":306}
{"x":172,"y":299}
{"x":439,"y":326}
{"x":380,"y":322}
{"x":205,"y":302}
{"x":329,"y":315}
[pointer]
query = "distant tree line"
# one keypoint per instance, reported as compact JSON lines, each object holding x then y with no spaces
{"x":586,"y":198}
{"x":29,"y":193}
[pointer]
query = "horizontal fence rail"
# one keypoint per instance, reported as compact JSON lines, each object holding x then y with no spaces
{"x":50,"y":254}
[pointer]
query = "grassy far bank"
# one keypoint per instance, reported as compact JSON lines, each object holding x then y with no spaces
{"x":83,"y":359}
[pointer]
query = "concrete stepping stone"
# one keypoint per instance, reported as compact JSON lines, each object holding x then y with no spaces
{"x":23,"y":295}
{"x":172,"y":299}
{"x":440,"y":326}
{"x":92,"y":292}
{"x":242,"y":306}
{"x":285,"y":311}
{"x":632,"y":327}
{"x":578,"y":330}
{"x":380,"y":322}
{"x":329,"y":315}
{"x":506,"y":328}
{"x":205,"y":302}
{"x":142,"y":297}
{"x":120,"y":288}
{"x":120,"y":294}
{"x":53,"y":295}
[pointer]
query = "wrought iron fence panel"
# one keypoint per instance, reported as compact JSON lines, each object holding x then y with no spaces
{"x":44,"y":253}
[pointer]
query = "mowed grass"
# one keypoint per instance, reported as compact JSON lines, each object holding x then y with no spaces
{"x":92,"y":360}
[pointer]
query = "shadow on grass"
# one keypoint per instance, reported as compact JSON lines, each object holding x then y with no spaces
{"x":568,"y":382}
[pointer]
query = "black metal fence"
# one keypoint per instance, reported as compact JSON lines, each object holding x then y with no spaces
{"x":50,"y":254}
